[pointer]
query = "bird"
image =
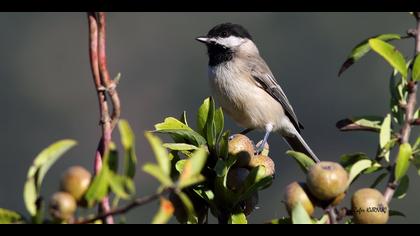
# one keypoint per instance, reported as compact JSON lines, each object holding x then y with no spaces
{"x":246,"y":89}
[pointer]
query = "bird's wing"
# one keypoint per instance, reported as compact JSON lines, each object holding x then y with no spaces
{"x":265,"y":80}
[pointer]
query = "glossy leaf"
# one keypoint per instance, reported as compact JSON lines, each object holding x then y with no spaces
{"x":219,"y":121}
{"x":122,"y":186}
{"x":202,"y":115}
{"x":401,"y":191}
{"x":160,"y":153}
{"x":192,"y":169}
{"x":183,"y":118}
{"x":416,"y":69}
{"x":403,"y":161}
{"x":99,"y":187}
{"x":299,"y":215}
{"x":358,"y":168}
{"x":255,"y":181}
{"x":238,"y":218}
{"x":30,"y":196}
{"x":390,"y":54}
{"x":166,"y":210}
{"x":156,"y":171}
{"x":302,"y":159}
{"x":9,"y":217}
{"x":179,"y":166}
{"x":385,"y":135}
{"x":175,"y":127}
{"x":128,"y":142}
{"x":48,"y":157}
{"x":362,"y":49}
{"x":348,"y":160}
{"x":180,"y":146}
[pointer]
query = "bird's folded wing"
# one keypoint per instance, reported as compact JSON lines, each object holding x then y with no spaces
{"x":265,"y":80}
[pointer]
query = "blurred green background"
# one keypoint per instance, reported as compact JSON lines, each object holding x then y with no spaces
{"x":47,"y":91}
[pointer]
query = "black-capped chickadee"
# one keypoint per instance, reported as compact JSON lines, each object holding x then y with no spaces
{"x":246,"y":89}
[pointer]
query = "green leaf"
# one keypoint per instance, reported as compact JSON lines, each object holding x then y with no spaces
{"x":299,"y":215}
{"x":202,"y":115}
{"x":180,"y":146}
{"x":390,"y":54}
{"x":302,"y":159}
{"x":210,"y":128}
{"x":220,"y":168}
{"x":122,"y":186}
{"x":99,"y":187}
{"x":156,"y":171}
{"x":348,"y":160}
{"x":358,"y":168}
{"x":189,"y":207}
{"x":396,"y":213}
{"x":166,"y":210}
{"x":128,"y":142}
{"x":322,"y":221}
{"x":9,"y":217}
{"x":417,"y":144}
{"x":39,"y":168}
{"x":416,"y":69}
{"x":373,"y":122}
{"x":160,"y":152}
{"x":385,"y":135}
{"x":401,"y":191}
{"x":238,"y":218}
{"x":363,"y":48}
{"x":48,"y":157}
{"x":219,"y":121}
{"x":255,"y":181}
{"x":192,"y":169}
{"x":403,"y":161}
{"x":224,"y":145}
{"x":179,"y":166}
{"x":378,"y":180}
{"x":30,"y":196}
{"x":183,"y":118}
{"x":175,"y":127}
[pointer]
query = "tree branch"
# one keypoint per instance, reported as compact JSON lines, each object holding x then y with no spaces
{"x":409,"y":113}
{"x":136,"y":203}
{"x":103,"y":85}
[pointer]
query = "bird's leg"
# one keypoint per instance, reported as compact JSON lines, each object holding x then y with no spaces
{"x":268,"y":129}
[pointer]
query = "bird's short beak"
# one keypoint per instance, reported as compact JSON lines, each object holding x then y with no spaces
{"x":203,"y":39}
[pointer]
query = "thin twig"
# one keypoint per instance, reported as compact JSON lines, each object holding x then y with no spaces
{"x":409,"y":113}
{"x":136,"y":203}
{"x":103,"y":85}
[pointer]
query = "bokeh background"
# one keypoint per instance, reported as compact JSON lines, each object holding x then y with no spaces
{"x":47,"y":93}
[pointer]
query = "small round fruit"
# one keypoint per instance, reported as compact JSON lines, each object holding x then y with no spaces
{"x":250,"y":204}
{"x":62,"y":206}
{"x":369,"y":207}
{"x":267,"y":162}
{"x":326,"y":180}
{"x":241,"y":147}
{"x":295,"y":192}
{"x":76,"y":181}
{"x":236,"y":178}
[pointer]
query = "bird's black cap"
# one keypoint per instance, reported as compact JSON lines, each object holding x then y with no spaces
{"x":228,"y":29}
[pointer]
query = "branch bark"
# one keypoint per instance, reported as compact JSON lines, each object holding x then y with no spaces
{"x":409,"y":114}
{"x":103,"y":85}
{"x":136,"y":203}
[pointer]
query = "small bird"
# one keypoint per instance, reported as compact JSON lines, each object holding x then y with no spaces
{"x":246,"y":89}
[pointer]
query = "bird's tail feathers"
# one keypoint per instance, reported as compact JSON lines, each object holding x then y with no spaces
{"x":297,"y":143}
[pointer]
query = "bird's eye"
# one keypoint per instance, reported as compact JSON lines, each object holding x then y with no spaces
{"x":224,"y":34}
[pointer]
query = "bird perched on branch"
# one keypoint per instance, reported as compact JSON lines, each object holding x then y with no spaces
{"x":246,"y":89}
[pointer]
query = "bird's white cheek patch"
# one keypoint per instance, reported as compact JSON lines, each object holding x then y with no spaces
{"x":231,"y":41}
